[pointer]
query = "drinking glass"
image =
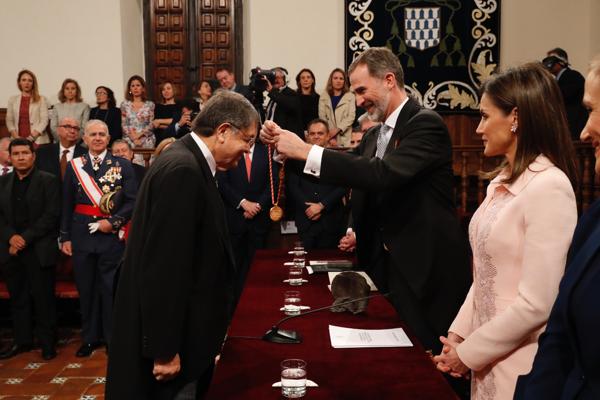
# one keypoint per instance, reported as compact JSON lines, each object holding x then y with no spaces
{"x":293,"y":378}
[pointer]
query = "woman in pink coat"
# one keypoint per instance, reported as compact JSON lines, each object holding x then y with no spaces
{"x":519,"y":235}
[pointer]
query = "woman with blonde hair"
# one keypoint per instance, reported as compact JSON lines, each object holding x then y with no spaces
{"x":337,"y":106}
{"x":165,"y":110}
{"x":519,"y":235}
{"x":70,"y":105}
{"x":27,"y":112}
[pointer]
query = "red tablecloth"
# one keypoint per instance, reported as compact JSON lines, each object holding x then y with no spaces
{"x":248,"y":367}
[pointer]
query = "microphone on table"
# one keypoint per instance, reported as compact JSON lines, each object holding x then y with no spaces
{"x":276,"y":335}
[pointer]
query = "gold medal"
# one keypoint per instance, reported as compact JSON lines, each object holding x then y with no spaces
{"x":275,"y":213}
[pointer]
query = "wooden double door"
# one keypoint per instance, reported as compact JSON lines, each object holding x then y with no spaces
{"x":188,"y":40}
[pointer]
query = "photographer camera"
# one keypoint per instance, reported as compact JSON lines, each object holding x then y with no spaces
{"x":284,"y":104}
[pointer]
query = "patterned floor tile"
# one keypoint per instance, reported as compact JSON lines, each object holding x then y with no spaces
{"x":33,"y":365}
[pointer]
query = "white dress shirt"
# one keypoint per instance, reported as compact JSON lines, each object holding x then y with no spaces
{"x":315,"y":155}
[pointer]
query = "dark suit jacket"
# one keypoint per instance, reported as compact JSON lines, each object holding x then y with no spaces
{"x":47,"y":158}
{"x":244,"y":91}
{"x":140,"y":172}
{"x":306,"y":188}
{"x":571,"y":85}
{"x":43,"y":203}
{"x":406,"y":201}
{"x":287,"y":112}
{"x":175,"y":290}
{"x":234,"y":187}
{"x":566,"y":365}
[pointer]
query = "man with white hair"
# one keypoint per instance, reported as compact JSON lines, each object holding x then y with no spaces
{"x":5,"y":166}
{"x":98,"y":198}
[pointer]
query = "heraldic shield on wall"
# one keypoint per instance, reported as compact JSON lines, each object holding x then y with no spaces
{"x":447,"y":47}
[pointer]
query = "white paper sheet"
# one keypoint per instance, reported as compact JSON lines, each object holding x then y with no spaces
{"x":348,"y":338}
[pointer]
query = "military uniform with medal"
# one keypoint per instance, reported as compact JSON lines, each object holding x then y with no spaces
{"x":98,"y":199}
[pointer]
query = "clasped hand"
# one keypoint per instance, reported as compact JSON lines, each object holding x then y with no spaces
{"x":448,"y":360}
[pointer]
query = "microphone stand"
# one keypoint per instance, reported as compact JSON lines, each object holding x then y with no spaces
{"x":282,"y":336}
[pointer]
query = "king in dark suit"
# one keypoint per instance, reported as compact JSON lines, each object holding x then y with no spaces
{"x":175,"y":295}
{"x":319,"y":208}
{"x":54,"y":158}
{"x":90,"y":229}
{"x":408,"y":236}
{"x":29,"y":215}
{"x":247,"y":198}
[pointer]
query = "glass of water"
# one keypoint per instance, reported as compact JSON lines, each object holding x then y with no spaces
{"x":293,"y":378}
{"x":295,"y":275}
{"x":291,"y":302}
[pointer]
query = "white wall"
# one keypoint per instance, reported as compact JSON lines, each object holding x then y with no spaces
{"x":66,"y":38}
{"x":529,"y":28}
{"x":294,"y":34}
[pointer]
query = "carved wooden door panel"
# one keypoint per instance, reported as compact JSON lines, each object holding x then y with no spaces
{"x":187,"y":40}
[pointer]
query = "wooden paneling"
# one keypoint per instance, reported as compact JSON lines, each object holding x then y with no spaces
{"x":167,"y":45}
{"x":216,"y":45}
{"x":188,"y":40}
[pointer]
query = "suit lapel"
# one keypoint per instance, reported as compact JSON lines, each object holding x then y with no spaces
{"x":7,"y":196}
{"x":371,"y":143}
{"x":409,"y":109}
{"x":213,"y":193}
{"x":34,"y":184}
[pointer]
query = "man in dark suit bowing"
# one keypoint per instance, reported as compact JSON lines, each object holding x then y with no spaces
{"x":319,"y":207}
{"x":29,"y":215}
{"x":246,"y":192}
{"x":91,"y":229}
{"x":175,"y":294}
{"x":54,"y":157}
{"x":408,"y":236}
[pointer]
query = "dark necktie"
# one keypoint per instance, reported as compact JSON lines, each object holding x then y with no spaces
{"x":4,"y":171}
{"x":63,"y":164}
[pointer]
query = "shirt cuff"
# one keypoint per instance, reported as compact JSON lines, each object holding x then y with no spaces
{"x":313,"y":161}
{"x":240,"y":204}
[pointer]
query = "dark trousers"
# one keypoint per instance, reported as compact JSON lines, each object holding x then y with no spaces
{"x":31,"y":288}
{"x":94,"y":277}
{"x":244,"y":246}
{"x":319,"y":239}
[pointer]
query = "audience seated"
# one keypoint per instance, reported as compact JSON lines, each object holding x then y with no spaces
{"x":519,"y":235}
{"x":106,"y":110}
{"x":70,"y":105}
{"x":27,"y":113}
{"x":566,"y":363}
{"x":319,"y":209}
{"x":122,"y":148}
{"x":137,"y":115}
{"x":337,"y":106}
{"x":5,"y":165}
{"x":309,"y":98}
{"x":205,"y":91}
{"x":165,"y":110}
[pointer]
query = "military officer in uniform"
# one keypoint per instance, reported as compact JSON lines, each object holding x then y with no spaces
{"x":98,"y":198}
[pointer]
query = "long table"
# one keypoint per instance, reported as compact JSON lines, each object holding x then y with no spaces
{"x":249,"y":366}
